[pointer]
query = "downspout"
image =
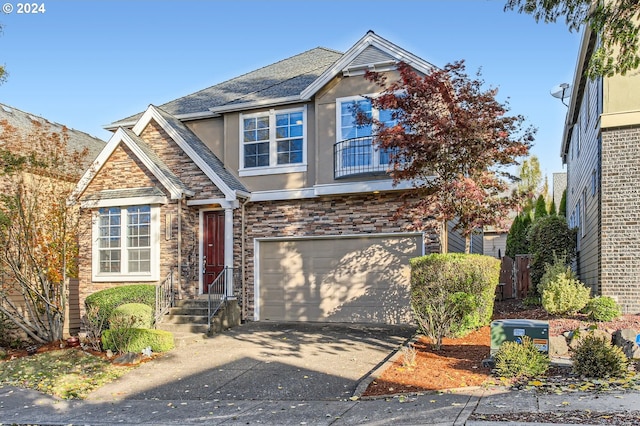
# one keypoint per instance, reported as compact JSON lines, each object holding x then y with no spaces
{"x":243,"y":260}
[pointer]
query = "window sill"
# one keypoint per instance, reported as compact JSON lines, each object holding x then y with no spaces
{"x":259,"y":171}
{"x":124,"y":278}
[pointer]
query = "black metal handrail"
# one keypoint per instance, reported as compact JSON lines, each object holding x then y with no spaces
{"x":358,"y":156}
{"x":164,"y":296}
{"x":217,"y":291}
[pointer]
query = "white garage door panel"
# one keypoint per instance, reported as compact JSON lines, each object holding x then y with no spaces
{"x":343,"y":279}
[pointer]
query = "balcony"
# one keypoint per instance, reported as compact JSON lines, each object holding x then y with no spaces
{"x":359,"y":156}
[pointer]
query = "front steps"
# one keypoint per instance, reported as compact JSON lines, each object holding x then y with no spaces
{"x":188,"y":319}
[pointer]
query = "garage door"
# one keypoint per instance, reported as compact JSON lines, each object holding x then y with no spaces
{"x":340,"y":279}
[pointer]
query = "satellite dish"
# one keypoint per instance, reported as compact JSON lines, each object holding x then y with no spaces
{"x":561,"y":91}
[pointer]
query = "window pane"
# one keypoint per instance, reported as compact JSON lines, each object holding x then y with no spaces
{"x":348,"y":127}
{"x":256,"y":155}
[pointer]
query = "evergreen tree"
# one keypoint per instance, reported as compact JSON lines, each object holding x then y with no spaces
{"x":541,"y":208}
{"x":553,"y":211}
{"x":517,"y":241}
{"x":562,"y":210}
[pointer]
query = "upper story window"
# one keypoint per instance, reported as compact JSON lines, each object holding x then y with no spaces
{"x":355,"y":152}
{"x":126,"y":243}
{"x":273,"y":142}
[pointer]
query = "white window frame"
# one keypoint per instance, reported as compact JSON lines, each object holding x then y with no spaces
{"x":273,"y":167}
{"x":124,"y":275}
{"x":375,"y":158}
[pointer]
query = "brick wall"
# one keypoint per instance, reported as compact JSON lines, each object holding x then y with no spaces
{"x":620,"y":217}
{"x":179,"y":162}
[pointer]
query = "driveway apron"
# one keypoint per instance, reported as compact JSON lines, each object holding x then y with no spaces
{"x":264,"y":361}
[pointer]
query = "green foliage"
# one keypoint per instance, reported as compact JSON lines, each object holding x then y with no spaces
{"x":552,"y":271}
{"x":602,"y":309}
{"x":550,"y":238}
{"x":596,"y":357}
{"x":517,"y":239}
{"x":614,"y":22}
{"x":453,"y":292}
{"x":541,"y":208}
{"x":562,"y":209}
{"x":437,"y":311}
{"x":140,"y":315}
{"x":520,"y":360}
{"x":136,"y":339}
{"x":564,"y":295}
{"x":552,"y":208}
{"x":109,"y":299}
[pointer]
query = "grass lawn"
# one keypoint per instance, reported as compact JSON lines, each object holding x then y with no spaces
{"x":65,"y":373}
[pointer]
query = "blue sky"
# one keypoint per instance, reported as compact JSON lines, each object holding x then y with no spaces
{"x":86,"y":64}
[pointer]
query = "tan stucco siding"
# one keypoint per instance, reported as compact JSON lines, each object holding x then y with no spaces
{"x":211,"y":133}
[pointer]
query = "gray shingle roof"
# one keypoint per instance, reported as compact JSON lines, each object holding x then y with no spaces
{"x":285,"y":78}
{"x":203,"y":151}
{"x":110,"y":194}
{"x":77,"y":140}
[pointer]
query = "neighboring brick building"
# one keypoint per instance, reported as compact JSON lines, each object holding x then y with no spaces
{"x":601,"y":148}
{"x":267,"y":174}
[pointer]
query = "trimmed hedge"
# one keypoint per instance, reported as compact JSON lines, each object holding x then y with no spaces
{"x":138,"y":339}
{"x":473,"y":274}
{"x":109,"y":299}
{"x":135,"y":315}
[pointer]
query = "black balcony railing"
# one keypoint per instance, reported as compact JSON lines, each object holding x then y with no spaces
{"x":359,"y":156}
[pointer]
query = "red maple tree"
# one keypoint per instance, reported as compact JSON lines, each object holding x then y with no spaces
{"x":454,"y":141}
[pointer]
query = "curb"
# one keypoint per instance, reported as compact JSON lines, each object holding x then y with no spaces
{"x":376,"y":373}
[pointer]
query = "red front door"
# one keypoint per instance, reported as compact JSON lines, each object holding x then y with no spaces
{"x":213,"y":249}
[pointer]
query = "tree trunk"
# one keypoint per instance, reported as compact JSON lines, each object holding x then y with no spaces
{"x":467,"y":244}
{"x":444,"y":237}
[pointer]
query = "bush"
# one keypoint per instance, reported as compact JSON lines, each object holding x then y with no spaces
{"x":595,"y":357}
{"x":517,"y":240}
{"x":124,"y":340}
{"x":553,"y":270}
{"x":438,"y":311}
{"x":565,"y":296}
{"x":549,"y":238}
{"x":454,"y":292}
{"x":109,"y":299}
{"x":602,"y":309}
{"x":138,"y":315}
{"x":520,"y":360}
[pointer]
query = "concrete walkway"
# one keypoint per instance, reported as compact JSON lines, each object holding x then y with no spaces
{"x":284,"y":374}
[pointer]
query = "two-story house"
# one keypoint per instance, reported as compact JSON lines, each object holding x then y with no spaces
{"x":268,"y":175}
{"x":601,"y":148}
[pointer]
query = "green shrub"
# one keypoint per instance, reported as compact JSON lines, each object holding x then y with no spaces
{"x":109,"y":299}
{"x":549,"y":238}
{"x":520,"y":360}
{"x":138,"y":315}
{"x":565,"y":296}
{"x":517,"y":240}
{"x":437,"y":312}
{"x":551,"y":271}
{"x":595,"y":357}
{"x":456,"y":289}
{"x":136,"y":339}
{"x":602,"y":309}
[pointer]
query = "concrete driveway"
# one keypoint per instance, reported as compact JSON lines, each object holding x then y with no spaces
{"x":264,"y":361}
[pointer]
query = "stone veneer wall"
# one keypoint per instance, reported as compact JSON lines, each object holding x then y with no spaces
{"x":339,"y":215}
{"x":620,"y":217}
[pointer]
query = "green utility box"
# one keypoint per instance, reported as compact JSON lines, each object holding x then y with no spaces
{"x":513,"y":330}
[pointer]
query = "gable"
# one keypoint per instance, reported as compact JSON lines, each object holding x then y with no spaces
{"x":371,"y":55}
